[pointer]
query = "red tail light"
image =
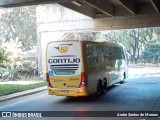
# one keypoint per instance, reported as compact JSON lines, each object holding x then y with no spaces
{"x":48,"y":81}
{"x":83,"y":80}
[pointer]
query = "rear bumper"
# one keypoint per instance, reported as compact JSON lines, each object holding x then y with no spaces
{"x":68,"y":92}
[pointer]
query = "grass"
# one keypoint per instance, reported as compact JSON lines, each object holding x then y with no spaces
{"x":18,"y":86}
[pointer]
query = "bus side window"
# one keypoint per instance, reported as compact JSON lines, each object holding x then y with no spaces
{"x":100,"y":53}
{"x":119,"y":53}
{"x":92,"y":53}
{"x":108,"y":53}
{"x":123,"y":53}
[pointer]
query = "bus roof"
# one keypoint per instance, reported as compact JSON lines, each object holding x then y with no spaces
{"x":86,"y":41}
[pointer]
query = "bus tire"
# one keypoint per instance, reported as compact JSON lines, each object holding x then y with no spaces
{"x":100,"y":90}
{"x":124,"y":77}
{"x":105,"y":85}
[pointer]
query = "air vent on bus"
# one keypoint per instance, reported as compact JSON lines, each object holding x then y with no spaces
{"x":65,"y":67}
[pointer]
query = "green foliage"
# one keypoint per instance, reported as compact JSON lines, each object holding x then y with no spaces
{"x":14,"y":52}
{"x":135,"y":40}
{"x":151,"y":51}
{"x":25,"y":70}
{"x":3,"y":58}
{"x":92,"y":36}
{"x":19,"y":24}
{"x":18,"y":33}
{"x":13,"y":88}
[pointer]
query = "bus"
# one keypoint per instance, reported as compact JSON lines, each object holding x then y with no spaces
{"x":83,"y":68}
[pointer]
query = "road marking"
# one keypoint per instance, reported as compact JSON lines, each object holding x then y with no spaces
{"x":21,"y":101}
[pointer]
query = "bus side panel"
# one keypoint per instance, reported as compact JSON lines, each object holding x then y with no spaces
{"x":104,"y":61}
{"x":96,"y":65}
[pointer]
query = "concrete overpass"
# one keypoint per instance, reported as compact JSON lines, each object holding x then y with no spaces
{"x":53,"y":20}
{"x":107,"y":14}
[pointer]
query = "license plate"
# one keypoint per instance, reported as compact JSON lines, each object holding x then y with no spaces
{"x":65,"y":91}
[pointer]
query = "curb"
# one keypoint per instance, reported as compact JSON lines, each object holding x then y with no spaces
{"x":23,"y":93}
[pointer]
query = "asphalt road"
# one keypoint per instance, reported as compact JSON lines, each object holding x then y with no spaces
{"x":140,"y":92}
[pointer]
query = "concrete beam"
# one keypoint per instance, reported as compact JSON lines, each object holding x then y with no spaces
{"x":84,"y":9}
{"x":128,"y":22}
{"x":101,"y":24}
{"x":143,"y":7}
{"x":67,"y":20}
{"x":156,"y":5}
{"x":104,"y":6}
{"x":14,"y":3}
{"x":129,"y":5}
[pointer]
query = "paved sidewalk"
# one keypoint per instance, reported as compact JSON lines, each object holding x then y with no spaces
{"x":23,"y":93}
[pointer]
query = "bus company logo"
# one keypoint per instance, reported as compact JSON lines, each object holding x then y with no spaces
{"x":63,"y":48}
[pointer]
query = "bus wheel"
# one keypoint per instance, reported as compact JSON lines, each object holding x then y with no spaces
{"x":100,"y":90}
{"x":105,"y":86}
{"x":123,"y":78}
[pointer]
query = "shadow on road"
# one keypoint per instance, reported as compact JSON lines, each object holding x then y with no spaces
{"x":81,"y":99}
{"x":87,"y":99}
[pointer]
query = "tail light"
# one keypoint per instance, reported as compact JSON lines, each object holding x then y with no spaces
{"x":83,"y":80}
{"x":48,"y":81}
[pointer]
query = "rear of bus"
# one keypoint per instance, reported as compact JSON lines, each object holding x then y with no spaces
{"x":65,"y":69}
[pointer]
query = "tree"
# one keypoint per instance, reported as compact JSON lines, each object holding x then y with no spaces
{"x":151,"y":52}
{"x":19,"y":24}
{"x":14,"y":52}
{"x":17,"y":34}
{"x":92,"y":36}
{"x":112,"y":36}
{"x":134,"y":35}
{"x":3,"y":58}
{"x":134,"y":40}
